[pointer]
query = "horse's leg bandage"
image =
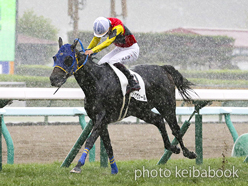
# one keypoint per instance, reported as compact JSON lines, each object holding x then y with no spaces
{"x":84,"y":155}
{"x":114,"y":169}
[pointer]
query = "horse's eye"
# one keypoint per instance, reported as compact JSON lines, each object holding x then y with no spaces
{"x":68,"y":61}
{"x":54,"y":58}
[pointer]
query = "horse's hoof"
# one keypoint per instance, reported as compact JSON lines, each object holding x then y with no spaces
{"x":114,"y":168}
{"x":76,"y":170}
{"x":174,"y":149}
{"x":114,"y":171}
{"x":190,"y":154}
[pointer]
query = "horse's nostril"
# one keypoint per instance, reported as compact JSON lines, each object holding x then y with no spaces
{"x":53,"y":80}
{"x":57,"y":81}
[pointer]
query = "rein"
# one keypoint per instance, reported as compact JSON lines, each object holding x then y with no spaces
{"x":83,"y":50}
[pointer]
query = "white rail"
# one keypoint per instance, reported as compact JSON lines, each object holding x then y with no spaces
{"x":77,"y":93}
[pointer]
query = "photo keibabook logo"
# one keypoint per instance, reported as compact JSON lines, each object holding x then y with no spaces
{"x":191,"y":172}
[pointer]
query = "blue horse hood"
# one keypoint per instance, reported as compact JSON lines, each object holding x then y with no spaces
{"x":59,"y":58}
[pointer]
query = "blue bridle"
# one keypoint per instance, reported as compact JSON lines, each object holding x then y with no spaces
{"x":64,"y":51}
{"x":86,"y":59}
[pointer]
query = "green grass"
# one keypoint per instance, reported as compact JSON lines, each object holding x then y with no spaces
{"x":92,"y":174}
{"x":201,"y":82}
{"x":38,"y":81}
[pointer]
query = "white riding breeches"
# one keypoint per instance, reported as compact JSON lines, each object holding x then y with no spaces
{"x":121,"y":55}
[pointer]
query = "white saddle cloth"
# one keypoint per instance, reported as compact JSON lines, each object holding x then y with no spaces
{"x":138,"y":95}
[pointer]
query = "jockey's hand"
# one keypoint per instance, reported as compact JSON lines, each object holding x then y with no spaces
{"x":88,"y":52}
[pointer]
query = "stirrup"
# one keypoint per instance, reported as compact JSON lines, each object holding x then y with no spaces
{"x":134,"y":88}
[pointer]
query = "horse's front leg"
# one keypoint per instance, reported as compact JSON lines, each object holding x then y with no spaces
{"x":107,"y":144}
{"x":98,"y":126}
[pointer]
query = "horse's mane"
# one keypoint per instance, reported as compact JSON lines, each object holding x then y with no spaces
{"x":94,"y":59}
{"x":91,"y":58}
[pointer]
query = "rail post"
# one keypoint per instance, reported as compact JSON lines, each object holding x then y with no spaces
{"x":0,"y":142}
{"x":9,"y":143}
{"x":198,"y":139}
{"x":246,"y":159}
{"x":1,"y":156}
{"x":231,"y":127}
{"x":77,"y":146}
{"x":198,"y":130}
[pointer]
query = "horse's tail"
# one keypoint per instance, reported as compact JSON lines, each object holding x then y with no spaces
{"x":182,"y":84}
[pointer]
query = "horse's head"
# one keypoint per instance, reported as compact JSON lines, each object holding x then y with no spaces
{"x":65,"y":63}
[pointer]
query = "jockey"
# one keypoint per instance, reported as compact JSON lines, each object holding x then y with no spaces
{"x":126,"y":50}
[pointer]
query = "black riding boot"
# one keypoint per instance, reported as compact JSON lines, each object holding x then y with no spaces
{"x":134,"y":85}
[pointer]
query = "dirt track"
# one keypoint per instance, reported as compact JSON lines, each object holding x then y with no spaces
{"x":135,"y":141}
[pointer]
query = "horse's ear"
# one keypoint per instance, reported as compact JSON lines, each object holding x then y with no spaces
{"x":73,"y":46}
{"x":60,"y":42}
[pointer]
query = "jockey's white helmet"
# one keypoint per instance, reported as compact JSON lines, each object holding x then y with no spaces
{"x":101,"y":26}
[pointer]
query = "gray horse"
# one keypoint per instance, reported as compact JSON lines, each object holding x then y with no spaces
{"x":104,"y":99}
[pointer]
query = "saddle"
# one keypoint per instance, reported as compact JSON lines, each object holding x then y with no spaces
{"x":138,"y":95}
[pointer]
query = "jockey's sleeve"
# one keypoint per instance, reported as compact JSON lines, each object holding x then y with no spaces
{"x":117,"y":30}
{"x":94,"y":42}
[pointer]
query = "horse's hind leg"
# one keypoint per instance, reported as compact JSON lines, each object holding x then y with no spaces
{"x":168,"y":111}
{"x":157,"y":120}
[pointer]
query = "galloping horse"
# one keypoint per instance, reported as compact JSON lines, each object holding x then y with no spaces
{"x":104,"y":98}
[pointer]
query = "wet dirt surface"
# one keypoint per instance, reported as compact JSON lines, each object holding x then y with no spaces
{"x":49,"y":143}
